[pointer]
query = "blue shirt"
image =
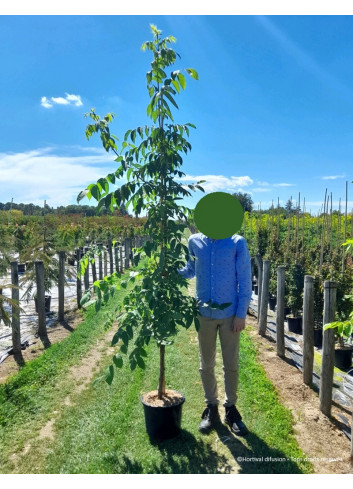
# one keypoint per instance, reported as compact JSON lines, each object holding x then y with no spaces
{"x":223,"y":273}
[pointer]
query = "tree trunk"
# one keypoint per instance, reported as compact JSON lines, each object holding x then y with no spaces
{"x":161,"y":382}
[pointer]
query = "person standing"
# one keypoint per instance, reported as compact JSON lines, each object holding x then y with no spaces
{"x":223,"y":275}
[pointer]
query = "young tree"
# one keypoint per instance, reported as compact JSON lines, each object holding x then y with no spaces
{"x":150,"y":157}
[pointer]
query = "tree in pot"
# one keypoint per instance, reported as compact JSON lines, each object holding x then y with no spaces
{"x":6,"y":302}
{"x":344,"y":331}
{"x":157,"y":306}
{"x":294,"y":298}
{"x":42,"y":248}
{"x":343,"y":349}
{"x":272,"y":299}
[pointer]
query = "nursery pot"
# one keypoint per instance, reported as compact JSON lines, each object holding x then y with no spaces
{"x":318,"y":337}
{"x":253,"y":284}
{"x":272,"y":301}
{"x":286,"y":311}
{"x":295,"y":325}
{"x":343,"y":357}
{"x":163,"y":422}
{"x":256,"y":289}
{"x":21,"y":268}
{"x":47,"y":303}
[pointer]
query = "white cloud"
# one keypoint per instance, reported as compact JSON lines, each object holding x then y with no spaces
{"x":219,"y":182}
{"x":76,"y":99}
{"x":333,"y":177}
{"x":60,"y":100}
{"x":283,"y":184}
{"x":40,"y":174}
{"x":261,"y":189}
{"x":45,"y":103}
{"x":262,"y":184}
{"x":70,"y":99}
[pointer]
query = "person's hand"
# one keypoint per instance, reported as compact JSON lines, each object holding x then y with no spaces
{"x":238,"y":324}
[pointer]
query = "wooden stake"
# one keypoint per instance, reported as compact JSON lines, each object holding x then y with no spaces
{"x":281,"y":351}
{"x":264,"y":298}
{"x":308,"y":329}
{"x":15,"y":319}
{"x":78,"y":279}
{"x":42,"y":327}
{"x":328,"y":348}
{"x":61,"y":285}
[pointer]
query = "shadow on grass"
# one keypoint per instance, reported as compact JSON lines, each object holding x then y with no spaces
{"x":187,"y":455}
{"x":259,"y":458}
{"x":183,"y":454}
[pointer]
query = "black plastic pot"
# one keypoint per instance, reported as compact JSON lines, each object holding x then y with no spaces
{"x":272,"y":301}
{"x":343,"y":357}
{"x":295,"y":325}
{"x":256,"y":289}
{"x":47,"y":303}
{"x":21,"y":268}
{"x":253,"y":284}
{"x":163,"y":423}
{"x":318,"y":337}
{"x":286,"y":311}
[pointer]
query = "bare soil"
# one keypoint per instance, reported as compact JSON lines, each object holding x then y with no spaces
{"x":171,"y":398}
{"x":318,"y":436}
{"x":56,"y":333}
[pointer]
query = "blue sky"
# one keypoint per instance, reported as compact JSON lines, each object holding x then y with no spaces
{"x":273,"y":104}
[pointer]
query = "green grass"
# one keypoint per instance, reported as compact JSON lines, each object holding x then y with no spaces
{"x":104,"y":431}
{"x":28,"y":398}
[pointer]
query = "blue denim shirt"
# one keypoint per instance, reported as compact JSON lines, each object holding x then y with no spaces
{"x":223,"y":273}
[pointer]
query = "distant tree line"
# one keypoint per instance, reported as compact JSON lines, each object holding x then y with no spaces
{"x":37,"y":210}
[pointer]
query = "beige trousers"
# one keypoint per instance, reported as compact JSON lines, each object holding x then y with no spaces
{"x":207,"y":336}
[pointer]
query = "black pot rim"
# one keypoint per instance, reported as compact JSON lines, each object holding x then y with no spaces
{"x":182,"y":400}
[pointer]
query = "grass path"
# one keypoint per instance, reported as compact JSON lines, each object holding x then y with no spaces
{"x":74,"y":427}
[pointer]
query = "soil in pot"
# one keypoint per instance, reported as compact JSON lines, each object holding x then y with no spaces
{"x":163,"y":416}
{"x":343,"y":357}
{"x":295,"y":325}
{"x":47,"y":303}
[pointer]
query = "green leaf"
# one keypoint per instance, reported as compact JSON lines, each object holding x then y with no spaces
{"x":193,"y":73}
{"x":176,"y":85}
{"x":109,"y":374}
{"x":140,"y":362}
{"x":86,"y":298}
{"x":181,"y":79}
{"x":118,"y":361}
{"x":170,"y":98}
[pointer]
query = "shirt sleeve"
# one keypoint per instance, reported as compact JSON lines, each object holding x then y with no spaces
{"x":243,"y":273}
{"x":189,"y":270}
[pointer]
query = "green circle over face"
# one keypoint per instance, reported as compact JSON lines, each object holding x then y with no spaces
{"x":218,"y":215}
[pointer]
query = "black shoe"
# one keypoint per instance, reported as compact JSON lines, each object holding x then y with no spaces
{"x":209,"y":417}
{"x":233,"y":419}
